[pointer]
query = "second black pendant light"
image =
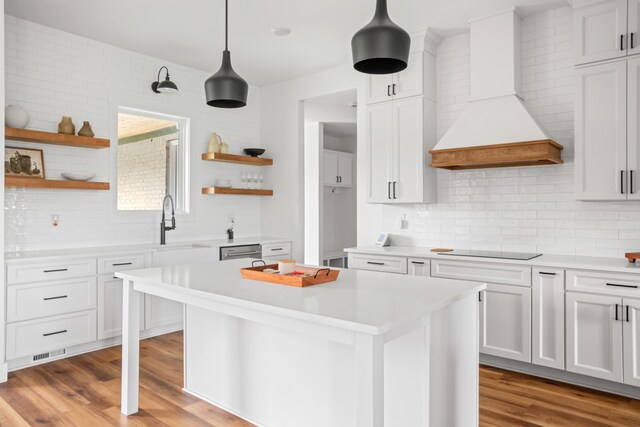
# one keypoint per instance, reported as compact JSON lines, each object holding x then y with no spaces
{"x":381,"y":46}
{"x":226,"y":89}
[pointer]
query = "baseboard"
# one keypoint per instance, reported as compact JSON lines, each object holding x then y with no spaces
{"x":561,"y":376}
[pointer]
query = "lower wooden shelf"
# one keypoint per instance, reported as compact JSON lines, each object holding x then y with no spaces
{"x":239,"y":191}
{"x":12,"y":181}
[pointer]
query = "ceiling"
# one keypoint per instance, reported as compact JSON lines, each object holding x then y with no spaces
{"x":340,"y":130}
{"x":192,"y":32}
{"x":129,"y":124}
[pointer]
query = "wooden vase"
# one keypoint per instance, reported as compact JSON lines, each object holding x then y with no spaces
{"x":66,"y":126}
{"x":86,"y":130}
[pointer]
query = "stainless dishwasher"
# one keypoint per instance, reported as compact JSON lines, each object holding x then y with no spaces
{"x":241,"y":251}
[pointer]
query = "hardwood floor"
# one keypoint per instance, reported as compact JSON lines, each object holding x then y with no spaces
{"x":85,"y":391}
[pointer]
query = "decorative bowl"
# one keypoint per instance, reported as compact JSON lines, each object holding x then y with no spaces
{"x":254,"y":152}
{"x":78,"y":176}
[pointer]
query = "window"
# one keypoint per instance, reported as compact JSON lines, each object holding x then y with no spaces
{"x":152,"y":160}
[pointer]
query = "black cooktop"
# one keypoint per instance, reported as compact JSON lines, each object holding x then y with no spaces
{"x":520,"y":256}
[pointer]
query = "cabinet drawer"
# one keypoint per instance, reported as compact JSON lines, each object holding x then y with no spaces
{"x":389,"y":264}
{"x":276,"y":250}
{"x":55,"y":270}
{"x":36,"y":300}
{"x":121,"y":263}
{"x":52,"y":333}
{"x":481,"y":272}
{"x":603,"y":283}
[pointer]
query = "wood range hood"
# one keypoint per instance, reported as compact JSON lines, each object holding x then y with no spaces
{"x":496,"y":129}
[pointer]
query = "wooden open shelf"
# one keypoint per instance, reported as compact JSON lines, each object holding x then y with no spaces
{"x":28,"y":135}
{"x":235,"y":158}
{"x":18,"y":182}
{"x":240,"y":191}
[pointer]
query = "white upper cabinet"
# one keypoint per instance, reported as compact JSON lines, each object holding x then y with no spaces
{"x":601,"y":31}
{"x":633,"y":23}
{"x":337,"y":168}
{"x":379,"y":145}
{"x":601,"y":132}
{"x":408,"y":159}
{"x":406,"y":83}
{"x":633,"y":133}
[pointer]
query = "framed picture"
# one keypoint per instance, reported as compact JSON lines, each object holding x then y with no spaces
{"x":23,"y":162}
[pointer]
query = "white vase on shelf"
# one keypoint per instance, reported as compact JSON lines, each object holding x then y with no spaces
{"x":16,"y":117}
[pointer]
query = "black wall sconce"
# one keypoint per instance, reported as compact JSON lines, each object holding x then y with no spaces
{"x":165,"y":86}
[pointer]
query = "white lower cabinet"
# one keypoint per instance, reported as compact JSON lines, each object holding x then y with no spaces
{"x":505,"y":321}
{"x":594,"y":335}
{"x":631,"y":339}
{"x":547,"y":318}
{"x":110,"y":303}
{"x":418,"y":267}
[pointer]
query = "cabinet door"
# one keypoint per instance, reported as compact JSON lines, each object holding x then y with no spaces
{"x":633,"y":133}
{"x":110,"y":307}
{"x":379,"y":143}
{"x":345,"y":169}
{"x":600,"y":31}
{"x":379,"y":87}
{"x":505,"y":322}
{"x":594,"y":336}
{"x":330,"y":168}
{"x":634,"y":27}
{"x":547,"y":318}
{"x":419,"y":267}
{"x":601,"y":132}
{"x":409,"y":82}
{"x":408,"y":151}
{"x":631,"y":329}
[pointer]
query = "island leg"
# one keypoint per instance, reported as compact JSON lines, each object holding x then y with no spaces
{"x":130,"y":348}
{"x":369,"y":380}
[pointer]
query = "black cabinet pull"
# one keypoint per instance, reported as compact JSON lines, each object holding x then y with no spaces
{"x":617,"y":285}
{"x":621,"y":41}
{"x":56,"y":271}
{"x":389,"y":190}
{"x":388,"y":90}
{"x":50,"y":298}
{"x":337,"y":178}
{"x":277,"y":249}
{"x":375,"y":263}
{"x":628,"y":314}
{"x":417,"y":262}
{"x":122,"y":263}
{"x":64,"y":331}
{"x":632,"y":41}
{"x":621,"y":182}
{"x":480,"y":296}
{"x":547,"y":274}
{"x":394,"y":190}
{"x":616,"y":311}
{"x":631,"y":182}
{"x":394,"y":89}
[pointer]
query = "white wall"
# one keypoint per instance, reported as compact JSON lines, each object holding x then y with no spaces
{"x":282,"y":132}
{"x":52,"y":73}
{"x":524,"y":209}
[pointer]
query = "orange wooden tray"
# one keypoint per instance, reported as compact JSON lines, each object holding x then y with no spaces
{"x":320,"y":275}
{"x":632,"y":256}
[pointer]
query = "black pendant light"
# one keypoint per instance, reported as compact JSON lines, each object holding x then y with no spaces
{"x":381,"y":46}
{"x":226,"y":89}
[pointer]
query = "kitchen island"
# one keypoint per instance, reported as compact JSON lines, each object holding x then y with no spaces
{"x":369,"y":349}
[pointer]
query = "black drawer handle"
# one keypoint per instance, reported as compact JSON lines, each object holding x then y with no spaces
{"x":122,"y":263}
{"x":277,"y":249}
{"x":622,"y":286}
{"x":50,"y":298}
{"x":628,"y":314}
{"x":375,"y":263}
{"x":64,"y":331}
{"x":547,"y":274}
{"x":56,"y":271}
{"x":417,"y":262}
{"x":617,"y":312}
{"x":621,"y":41}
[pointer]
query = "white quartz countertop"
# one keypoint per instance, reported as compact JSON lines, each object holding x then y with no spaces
{"x":52,"y":254}
{"x":620,"y":265}
{"x":363,"y":301}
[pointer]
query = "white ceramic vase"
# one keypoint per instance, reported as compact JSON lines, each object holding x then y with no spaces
{"x":16,"y":117}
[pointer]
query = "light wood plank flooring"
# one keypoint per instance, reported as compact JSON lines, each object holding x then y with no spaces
{"x":85,"y":391}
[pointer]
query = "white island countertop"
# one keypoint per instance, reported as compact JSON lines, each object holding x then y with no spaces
{"x":362,"y":301}
{"x":619,"y":265}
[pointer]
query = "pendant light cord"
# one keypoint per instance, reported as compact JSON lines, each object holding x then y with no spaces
{"x":226,"y":24}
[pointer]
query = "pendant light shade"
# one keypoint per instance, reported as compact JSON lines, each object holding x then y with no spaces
{"x":381,"y":46}
{"x":226,"y":89}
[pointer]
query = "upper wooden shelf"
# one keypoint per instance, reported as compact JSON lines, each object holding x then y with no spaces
{"x":235,"y":158}
{"x":28,"y":135}
{"x":19,"y":182}
{"x":238,"y":191}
